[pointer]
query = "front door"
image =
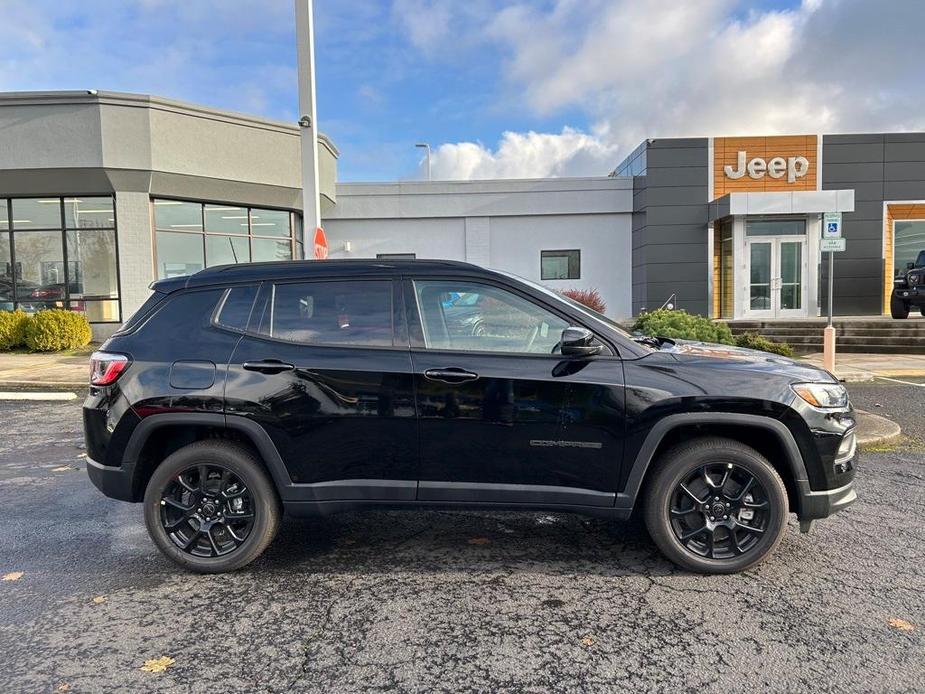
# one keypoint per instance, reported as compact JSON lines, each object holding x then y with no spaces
{"x":776,"y":273}
{"x":503,"y":417}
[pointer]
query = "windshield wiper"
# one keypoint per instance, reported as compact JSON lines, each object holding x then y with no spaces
{"x":656,"y":342}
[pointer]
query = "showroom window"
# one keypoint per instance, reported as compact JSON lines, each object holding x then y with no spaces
{"x":908,"y":242}
{"x":60,"y":253}
{"x":190,"y":236}
{"x":560,"y":265}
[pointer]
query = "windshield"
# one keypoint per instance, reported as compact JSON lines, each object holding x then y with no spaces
{"x":589,"y":312}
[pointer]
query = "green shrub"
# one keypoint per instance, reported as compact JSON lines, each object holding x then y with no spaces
{"x":759,"y":342}
{"x":683,"y":325}
{"x":57,"y":329}
{"x":12,"y":328}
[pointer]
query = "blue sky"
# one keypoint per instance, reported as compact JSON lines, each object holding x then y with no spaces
{"x":532,"y":88}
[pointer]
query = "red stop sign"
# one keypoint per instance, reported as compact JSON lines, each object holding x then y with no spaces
{"x":321,"y":244}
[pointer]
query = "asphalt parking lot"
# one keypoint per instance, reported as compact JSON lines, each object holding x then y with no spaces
{"x":453,"y":601}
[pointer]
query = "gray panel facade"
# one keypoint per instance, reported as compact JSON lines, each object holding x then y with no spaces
{"x":670,"y":226}
{"x":880,"y":168}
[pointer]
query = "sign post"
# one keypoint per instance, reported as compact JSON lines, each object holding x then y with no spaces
{"x":832,"y":242}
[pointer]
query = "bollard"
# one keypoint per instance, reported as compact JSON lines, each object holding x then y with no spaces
{"x":828,"y":348}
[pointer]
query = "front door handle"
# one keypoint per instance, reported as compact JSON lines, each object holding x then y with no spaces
{"x":450,"y":374}
{"x":268,"y":366}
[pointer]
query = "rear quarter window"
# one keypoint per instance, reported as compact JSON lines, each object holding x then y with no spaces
{"x":136,"y":319}
{"x":235,"y":308}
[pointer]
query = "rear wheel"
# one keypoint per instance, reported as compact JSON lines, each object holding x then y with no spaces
{"x":898,"y":308}
{"x":211,"y":508}
{"x":714,"y":505}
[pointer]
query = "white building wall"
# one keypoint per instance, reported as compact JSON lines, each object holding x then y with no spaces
{"x":603,"y":239}
{"x":498,"y":224}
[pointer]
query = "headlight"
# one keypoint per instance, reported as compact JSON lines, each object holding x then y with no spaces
{"x":825,"y":395}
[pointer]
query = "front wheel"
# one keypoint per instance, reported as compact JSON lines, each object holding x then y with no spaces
{"x":211,"y":508}
{"x":898,"y":308}
{"x":715,"y":505}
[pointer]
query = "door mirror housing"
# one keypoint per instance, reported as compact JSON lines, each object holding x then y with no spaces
{"x":910,"y":266}
{"x":578,"y":342}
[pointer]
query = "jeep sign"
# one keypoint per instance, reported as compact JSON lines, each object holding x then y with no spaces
{"x":776,"y":167}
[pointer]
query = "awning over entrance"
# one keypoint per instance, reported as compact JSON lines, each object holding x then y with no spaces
{"x":790,"y":202}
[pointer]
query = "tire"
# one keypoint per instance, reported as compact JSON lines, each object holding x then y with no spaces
{"x":898,"y":308}
{"x":728,"y":548}
{"x":176,"y":479}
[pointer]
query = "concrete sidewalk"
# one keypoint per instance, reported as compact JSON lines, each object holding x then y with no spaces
{"x":66,"y":370}
{"x":858,"y":368}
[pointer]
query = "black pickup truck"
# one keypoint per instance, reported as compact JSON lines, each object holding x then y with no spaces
{"x":909,"y":289}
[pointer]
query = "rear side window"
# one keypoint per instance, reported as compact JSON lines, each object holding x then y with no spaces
{"x":357,"y":313}
{"x":235,"y":309}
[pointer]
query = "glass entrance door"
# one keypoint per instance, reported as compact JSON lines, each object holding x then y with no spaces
{"x":776,"y":275}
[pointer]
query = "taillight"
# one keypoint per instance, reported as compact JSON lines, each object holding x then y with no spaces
{"x":105,"y":368}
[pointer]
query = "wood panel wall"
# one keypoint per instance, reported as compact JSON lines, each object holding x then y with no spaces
{"x":726,"y":149}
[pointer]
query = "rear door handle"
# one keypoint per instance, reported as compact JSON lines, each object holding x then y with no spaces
{"x":450,"y":374}
{"x":268,"y":366}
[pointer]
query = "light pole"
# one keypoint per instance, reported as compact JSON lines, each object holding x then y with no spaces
{"x":308,"y":129}
{"x":426,"y":147}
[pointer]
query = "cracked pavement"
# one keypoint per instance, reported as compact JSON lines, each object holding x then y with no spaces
{"x":452,"y":601}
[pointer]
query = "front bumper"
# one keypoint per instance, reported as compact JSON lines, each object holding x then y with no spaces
{"x":815,"y":505}
{"x":114,"y":482}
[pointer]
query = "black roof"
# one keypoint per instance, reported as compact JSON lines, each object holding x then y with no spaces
{"x":293,"y":269}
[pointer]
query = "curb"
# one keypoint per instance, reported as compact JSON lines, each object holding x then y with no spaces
{"x":874,"y":430}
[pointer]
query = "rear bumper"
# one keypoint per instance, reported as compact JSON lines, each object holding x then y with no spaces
{"x":114,"y":482}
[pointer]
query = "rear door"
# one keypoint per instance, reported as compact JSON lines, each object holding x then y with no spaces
{"x":324,"y":367}
{"x":503,"y":417}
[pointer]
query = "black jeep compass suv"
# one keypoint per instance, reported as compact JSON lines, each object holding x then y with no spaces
{"x":311,"y":387}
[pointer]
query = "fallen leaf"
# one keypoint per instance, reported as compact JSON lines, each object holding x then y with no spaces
{"x":587,"y":641}
{"x":82,"y":455}
{"x":157,"y":664}
{"x":63,"y":687}
{"x":13,"y":576}
{"x":900,"y":624}
{"x":63,"y":468}
{"x":479,"y":541}
{"x":99,"y":599}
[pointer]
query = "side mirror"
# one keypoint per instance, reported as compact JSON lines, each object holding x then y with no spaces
{"x":577,"y":342}
{"x":910,"y":266}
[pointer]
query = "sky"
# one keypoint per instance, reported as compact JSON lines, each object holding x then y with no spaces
{"x":499,"y":89}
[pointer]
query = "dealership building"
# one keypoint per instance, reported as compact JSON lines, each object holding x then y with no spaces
{"x":101,"y":193}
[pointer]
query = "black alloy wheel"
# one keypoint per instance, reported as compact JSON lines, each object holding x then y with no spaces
{"x":719,"y":511}
{"x":211,"y":507}
{"x":207,"y":511}
{"x":715,"y":505}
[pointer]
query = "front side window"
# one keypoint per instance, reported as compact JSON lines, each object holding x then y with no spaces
{"x":459,"y":315}
{"x":560,"y":265}
{"x":356,"y":313}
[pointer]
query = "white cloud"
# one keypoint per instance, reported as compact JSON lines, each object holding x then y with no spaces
{"x":667,"y":69}
{"x":524,"y":155}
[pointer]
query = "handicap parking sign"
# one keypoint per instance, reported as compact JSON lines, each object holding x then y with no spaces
{"x":832,"y":225}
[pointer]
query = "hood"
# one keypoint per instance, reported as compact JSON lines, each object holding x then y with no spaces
{"x":741,"y":357}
